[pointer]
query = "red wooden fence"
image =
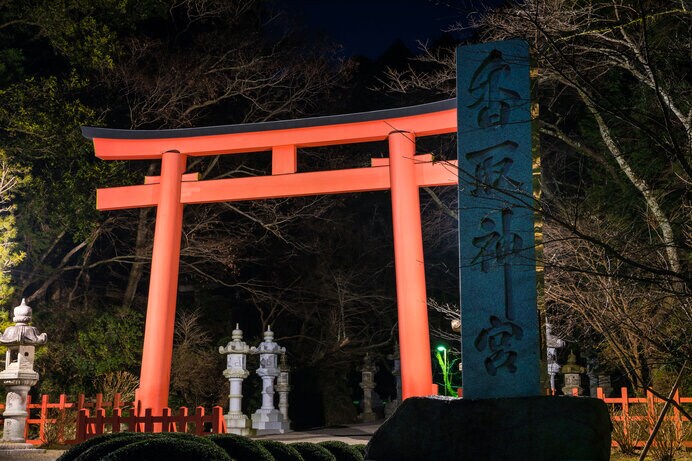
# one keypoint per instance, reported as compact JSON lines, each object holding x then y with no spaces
{"x":626,"y":411}
{"x":74,"y":418}
{"x":201,"y":423}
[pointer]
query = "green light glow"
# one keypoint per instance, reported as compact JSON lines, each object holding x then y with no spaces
{"x":441,"y":348}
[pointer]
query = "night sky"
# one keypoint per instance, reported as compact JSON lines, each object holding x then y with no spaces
{"x":369,"y":27}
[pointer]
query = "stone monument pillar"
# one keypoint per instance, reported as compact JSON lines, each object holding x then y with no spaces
{"x":504,"y":413}
{"x":368,"y":385}
{"x":267,"y":419}
{"x":283,"y":387}
{"x":236,"y":371}
{"x":572,"y":373}
{"x":396,"y":371}
{"x":18,"y":376}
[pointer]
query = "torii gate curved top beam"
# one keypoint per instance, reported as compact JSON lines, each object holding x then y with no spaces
{"x":404,"y":172}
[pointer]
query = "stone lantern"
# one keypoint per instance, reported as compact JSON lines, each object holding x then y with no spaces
{"x":396,"y":371}
{"x":368,"y":385}
{"x":267,"y":419}
{"x":572,"y":373}
{"x":236,"y":371}
{"x":18,"y":376}
{"x":283,"y":387}
{"x":553,"y":343}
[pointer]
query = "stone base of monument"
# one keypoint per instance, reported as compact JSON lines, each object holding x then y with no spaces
{"x":266,"y":422}
{"x":516,"y":429}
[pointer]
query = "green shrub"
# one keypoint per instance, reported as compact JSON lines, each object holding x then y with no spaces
{"x":120,"y":439}
{"x":313,"y":452}
{"x":342,"y":451}
{"x":77,"y":450}
{"x":241,"y":448}
{"x":361,"y":448}
{"x":98,"y":451}
{"x":169,"y":449}
{"x":280,"y":451}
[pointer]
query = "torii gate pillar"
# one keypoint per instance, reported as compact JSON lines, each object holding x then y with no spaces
{"x":412,"y":304}
{"x":155,"y":374}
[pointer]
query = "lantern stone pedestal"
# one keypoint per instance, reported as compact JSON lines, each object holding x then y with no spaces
{"x":236,"y":371}
{"x":267,"y":419}
{"x":18,"y":376}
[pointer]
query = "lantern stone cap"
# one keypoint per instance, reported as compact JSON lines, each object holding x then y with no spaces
{"x":571,"y":366}
{"x":237,"y":345}
{"x":237,"y":334}
{"x":268,"y":346}
{"x":21,"y":333}
{"x":22,"y":313}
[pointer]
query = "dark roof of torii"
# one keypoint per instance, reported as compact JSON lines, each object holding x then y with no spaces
{"x":110,"y":133}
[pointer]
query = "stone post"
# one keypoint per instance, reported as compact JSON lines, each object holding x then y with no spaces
{"x":368,"y":384}
{"x":236,"y":371}
{"x":396,"y":371}
{"x":18,"y":375}
{"x":267,"y":419}
{"x":553,"y":343}
{"x":605,"y":384}
{"x":283,"y":387}
{"x":572,"y":373}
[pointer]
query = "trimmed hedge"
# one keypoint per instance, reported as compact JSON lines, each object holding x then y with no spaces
{"x":241,"y":448}
{"x":169,"y":449}
{"x":96,"y":452}
{"x":342,"y":451}
{"x":280,"y":451}
{"x":77,"y":450}
{"x":95,"y":448}
{"x":361,"y":447}
{"x":313,"y":452}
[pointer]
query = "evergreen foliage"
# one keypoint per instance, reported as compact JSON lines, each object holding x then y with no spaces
{"x":280,"y":451}
{"x":241,"y":448}
{"x":170,"y":449}
{"x":342,"y":451}
{"x":313,"y":452}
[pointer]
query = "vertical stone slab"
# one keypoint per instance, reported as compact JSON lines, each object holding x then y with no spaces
{"x":500,"y":336}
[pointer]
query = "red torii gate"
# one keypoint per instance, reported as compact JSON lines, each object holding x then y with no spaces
{"x":403,"y":172}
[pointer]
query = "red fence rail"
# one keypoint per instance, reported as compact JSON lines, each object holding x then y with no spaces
{"x":634,"y":414}
{"x":200,"y":423}
{"x":71,"y":422}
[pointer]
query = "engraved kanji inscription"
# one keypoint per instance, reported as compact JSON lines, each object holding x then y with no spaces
{"x":497,"y":338}
{"x":492,"y":167}
{"x":493,"y":95}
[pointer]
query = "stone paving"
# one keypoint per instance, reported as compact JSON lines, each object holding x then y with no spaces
{"x":352,"y":434}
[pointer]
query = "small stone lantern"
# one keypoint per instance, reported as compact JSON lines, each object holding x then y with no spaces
{"x":396,"y":371}
{"x":368,"y":385}
{"x":553,"y":343}
{"x":283,"y":387}
{"x":572,"y":373}
{"x":236,"y":371}
{"x":267,"y":419}
{"x":18,"y":376}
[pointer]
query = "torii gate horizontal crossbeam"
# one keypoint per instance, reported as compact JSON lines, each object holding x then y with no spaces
{"x":267,"y":187}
